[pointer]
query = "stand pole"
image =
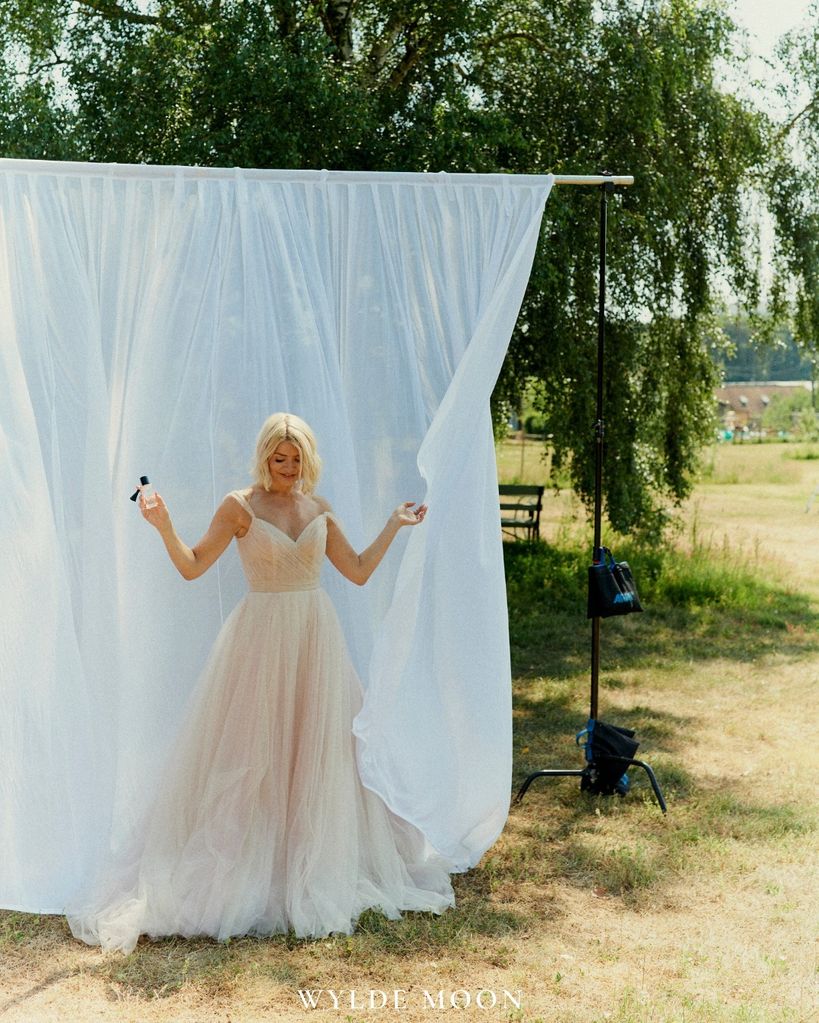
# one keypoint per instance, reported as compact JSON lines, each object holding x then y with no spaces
{"x":606,"y":183}
{"x":599,"y":434}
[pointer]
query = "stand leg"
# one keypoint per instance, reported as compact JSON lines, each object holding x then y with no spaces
{"x":556,"y":773}
{"x":573,"y":773}
{"x":653,"y":780}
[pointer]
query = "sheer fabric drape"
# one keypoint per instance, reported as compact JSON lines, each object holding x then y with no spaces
{"x":150,"y":319}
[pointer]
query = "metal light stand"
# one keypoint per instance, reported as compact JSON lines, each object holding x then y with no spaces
{"x":606,"y":183}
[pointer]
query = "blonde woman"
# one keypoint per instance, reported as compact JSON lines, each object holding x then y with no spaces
{"x":263,"y":824}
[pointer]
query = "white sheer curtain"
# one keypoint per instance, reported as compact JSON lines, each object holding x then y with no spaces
{"x":150,"y":319}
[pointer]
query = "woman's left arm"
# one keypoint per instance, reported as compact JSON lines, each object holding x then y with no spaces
{"x":359,"y":567}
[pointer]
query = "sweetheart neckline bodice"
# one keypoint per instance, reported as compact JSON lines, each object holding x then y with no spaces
{"x":275,"y":562}
{"x":266,"y":522}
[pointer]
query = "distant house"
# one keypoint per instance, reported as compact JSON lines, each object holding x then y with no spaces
{"x":741,"y":405}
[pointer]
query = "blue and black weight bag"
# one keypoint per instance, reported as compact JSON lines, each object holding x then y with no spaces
{"x":608,"y":749}
{"x":611,"y":587}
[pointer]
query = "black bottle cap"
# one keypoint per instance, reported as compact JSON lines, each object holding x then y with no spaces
{"x":143,"y":480}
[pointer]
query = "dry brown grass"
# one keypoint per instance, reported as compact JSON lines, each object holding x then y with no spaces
{"x":594,"y":910}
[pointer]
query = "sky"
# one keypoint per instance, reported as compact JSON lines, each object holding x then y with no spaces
{"x":766,"y":21}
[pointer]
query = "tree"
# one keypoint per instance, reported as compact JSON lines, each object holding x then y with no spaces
{"x":643,"y":96}
{"x":461,"y":85}
{"x":781,"y":359}
{"x":793,"y":189}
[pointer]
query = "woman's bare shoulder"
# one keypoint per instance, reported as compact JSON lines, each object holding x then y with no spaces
{"x":234,"y":508}
{"x":322,"y":502}
{"x":237,"y":496}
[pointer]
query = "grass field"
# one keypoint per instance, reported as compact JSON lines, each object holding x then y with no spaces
{"x":586,"y":909}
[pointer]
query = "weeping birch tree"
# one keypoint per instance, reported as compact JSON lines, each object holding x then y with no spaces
{"x":793,"y":189}
{"x":512,"y":86}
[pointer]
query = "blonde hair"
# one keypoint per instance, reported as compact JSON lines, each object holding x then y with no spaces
{"x":283,"y":426}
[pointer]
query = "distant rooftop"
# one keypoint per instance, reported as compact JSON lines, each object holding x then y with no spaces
{"x":745,"y":402}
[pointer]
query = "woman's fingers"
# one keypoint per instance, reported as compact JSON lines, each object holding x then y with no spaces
{"x":411,"y":515}
{"x":158,"y":511}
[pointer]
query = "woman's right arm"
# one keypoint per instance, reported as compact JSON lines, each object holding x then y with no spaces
{"x":191,"y":562}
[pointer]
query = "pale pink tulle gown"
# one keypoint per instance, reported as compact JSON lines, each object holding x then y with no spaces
{"x":262,"y":823}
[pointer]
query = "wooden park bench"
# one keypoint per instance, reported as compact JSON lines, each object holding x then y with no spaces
{"x":520,"y":506}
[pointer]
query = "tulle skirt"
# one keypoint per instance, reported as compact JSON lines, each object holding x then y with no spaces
{"x":262,"y":824}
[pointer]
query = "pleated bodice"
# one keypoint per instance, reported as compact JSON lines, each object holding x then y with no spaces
{"x":274,"y":562}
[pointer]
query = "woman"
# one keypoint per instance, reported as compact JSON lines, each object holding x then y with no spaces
{"x":263,"y":824}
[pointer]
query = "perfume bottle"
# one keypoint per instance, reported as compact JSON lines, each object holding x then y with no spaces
{"x":148,"y":492}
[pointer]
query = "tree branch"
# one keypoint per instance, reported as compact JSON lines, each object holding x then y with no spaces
{"x":408,"y":62}
{"x":286,"y":20}
{"x":44,"y":65}
{"x":111,"y":10}
{"x":786,"y":129}
{"x":381,"y":47}
{"x":336,"y":18}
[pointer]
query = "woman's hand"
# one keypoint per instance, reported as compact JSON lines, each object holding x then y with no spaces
{"x":406,"y":515}
{"x":158,"y":515}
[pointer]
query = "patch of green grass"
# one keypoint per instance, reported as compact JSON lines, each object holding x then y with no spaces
{"x":421,"y":933}
{"x":159,"y":969}
{"x":702,"y":602}
{"x":522,"y":463}
{"x":800,"y":453}
{"x":729,"y":817}
{"x":17,"y":929}
{"x":666,"y":1006}
{"x":530,"y":462}
{"x":675,"y":782}
{"x":618,"y":870}
{"x":732,"y":465}
{"x":529,"y":858}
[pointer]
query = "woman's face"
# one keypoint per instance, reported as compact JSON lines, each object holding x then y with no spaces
{"x":285,"y":464}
